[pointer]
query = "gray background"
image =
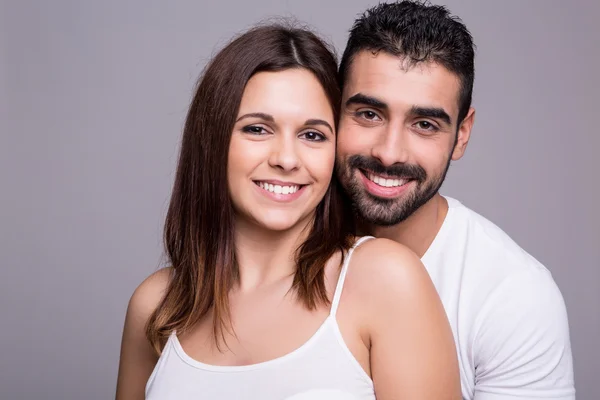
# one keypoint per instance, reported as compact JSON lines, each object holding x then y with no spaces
{"x":92,"y":101}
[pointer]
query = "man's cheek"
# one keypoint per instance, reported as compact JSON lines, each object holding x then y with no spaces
{"x":350,"y":147}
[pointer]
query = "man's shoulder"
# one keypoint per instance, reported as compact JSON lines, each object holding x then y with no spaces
{"x":486,"y":245}
{"x":508,"y":302}
{"x":478,"y":259}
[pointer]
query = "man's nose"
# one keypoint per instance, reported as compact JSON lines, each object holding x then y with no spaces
{"x":392,"y":148}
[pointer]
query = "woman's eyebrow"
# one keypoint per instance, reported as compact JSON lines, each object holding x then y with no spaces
{"x":264,"y":116}
{"x":317,"y":121}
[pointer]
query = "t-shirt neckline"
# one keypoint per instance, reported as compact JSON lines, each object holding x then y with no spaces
{"x":443,"y":231}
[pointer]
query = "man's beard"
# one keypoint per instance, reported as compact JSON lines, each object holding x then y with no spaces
{"x":387,"y":212}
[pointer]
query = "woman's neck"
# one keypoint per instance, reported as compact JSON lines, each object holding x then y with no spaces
{"x":265,"y":256}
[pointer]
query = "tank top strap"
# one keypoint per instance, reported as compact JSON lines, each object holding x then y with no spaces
{"x":340,"y":284}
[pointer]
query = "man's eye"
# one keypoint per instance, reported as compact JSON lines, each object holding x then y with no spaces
{"x":368,"y":115}
{"x":426,"y":125}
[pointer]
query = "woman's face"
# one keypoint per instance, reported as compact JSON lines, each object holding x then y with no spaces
{"x":282,"y":149}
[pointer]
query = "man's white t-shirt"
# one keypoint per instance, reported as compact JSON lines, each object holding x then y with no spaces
{"x":507,"y":315}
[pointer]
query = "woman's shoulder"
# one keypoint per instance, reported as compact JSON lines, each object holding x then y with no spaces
{"x":383,"y":248}
{"x":148,"y":295}
{"x":392,"y":301}
{"x":388,"y":270}
{"x":380,"y":257}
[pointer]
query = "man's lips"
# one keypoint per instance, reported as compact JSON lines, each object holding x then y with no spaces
{"x":385,"y":180}
{"x":384,"y":186}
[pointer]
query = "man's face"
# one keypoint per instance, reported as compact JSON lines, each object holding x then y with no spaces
{"x":397,"y":135}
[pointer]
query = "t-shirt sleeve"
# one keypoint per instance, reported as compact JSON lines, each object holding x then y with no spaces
{"x":522,"y":348}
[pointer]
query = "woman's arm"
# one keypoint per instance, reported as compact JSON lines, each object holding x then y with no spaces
{"x":412,"y":351}
{"x":137,"y":356}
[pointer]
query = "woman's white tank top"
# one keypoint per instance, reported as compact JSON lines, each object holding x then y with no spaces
{"x":322,"y":368}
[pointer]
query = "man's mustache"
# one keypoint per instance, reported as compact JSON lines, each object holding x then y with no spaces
{"x":399,"y":171}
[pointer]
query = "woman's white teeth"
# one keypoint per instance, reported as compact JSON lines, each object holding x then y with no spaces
{"x":386,"y":182}
{"x":278,"y":189}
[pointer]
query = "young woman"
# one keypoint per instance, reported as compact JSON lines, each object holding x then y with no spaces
{"x":270,"y":296}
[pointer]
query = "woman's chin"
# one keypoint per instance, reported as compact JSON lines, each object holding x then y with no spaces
{"x":281,"y":222}
{"x":278,"y":226}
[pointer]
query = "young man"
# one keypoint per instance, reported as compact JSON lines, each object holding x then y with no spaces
{"x":408,"y":72}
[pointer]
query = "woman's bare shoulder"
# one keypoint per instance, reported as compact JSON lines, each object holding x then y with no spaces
{"x":138,"y":357}
{"x":392,"y":291}
{"x":386,"y":271}
{"x":382,"y":261}
{"x":148,"y":295}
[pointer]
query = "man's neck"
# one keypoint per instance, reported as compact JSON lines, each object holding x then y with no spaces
{"x":419,"y":230}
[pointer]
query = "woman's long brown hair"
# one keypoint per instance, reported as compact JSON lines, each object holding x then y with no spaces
{"x":199,"y":227}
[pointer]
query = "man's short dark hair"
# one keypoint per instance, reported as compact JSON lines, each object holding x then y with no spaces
{"x":416,"y":32}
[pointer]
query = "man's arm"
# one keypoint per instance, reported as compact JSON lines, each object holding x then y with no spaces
{"x":522,"y":348}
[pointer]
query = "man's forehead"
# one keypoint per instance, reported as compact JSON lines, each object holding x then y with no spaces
{"x":391,"y":79}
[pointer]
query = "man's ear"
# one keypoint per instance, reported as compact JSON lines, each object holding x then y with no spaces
{"x":463,"y":135}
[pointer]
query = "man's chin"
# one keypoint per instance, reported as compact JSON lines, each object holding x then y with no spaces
{"x":377,"y":213}
{"x":382,"y":221}
{"x":386,"y":212}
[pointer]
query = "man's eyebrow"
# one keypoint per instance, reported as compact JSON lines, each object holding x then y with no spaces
{"x":264,"y":116}
{"x":431,"y":112}
{"x":362,"y":99}
{"x":318,"y":122}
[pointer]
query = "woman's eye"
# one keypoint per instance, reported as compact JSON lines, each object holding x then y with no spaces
{"x":254,"y":130}
{"x":313,"y":136}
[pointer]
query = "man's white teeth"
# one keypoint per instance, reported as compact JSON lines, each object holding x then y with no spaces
{"x":386,"y":182}
{"x":278,"y":189}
